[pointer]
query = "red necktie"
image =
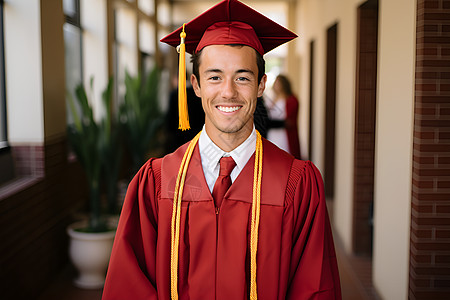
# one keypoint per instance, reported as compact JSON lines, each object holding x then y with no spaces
{"x":223,"y":182}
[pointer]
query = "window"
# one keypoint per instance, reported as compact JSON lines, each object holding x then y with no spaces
{"x":72,"y":40}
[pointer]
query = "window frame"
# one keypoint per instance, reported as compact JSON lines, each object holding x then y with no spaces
{"x":3,"y":112}
{"x":76,"y":22}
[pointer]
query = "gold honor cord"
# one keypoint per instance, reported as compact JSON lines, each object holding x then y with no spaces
{"x":176,"y":216}
{"x":257,"y":175}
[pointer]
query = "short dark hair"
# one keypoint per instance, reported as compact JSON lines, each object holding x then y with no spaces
{"x":260,"y":62}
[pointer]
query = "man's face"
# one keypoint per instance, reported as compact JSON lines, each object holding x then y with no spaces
{"x":229,"y":89}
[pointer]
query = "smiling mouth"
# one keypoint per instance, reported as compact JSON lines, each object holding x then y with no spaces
{"x":229,"y":109}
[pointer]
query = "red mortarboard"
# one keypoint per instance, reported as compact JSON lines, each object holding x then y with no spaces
{"x":228,"y":22}
{"x":231,"y":22}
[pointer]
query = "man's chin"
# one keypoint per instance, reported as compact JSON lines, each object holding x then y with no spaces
{"x":232,"y":129}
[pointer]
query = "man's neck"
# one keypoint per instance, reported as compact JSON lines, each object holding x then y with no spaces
{"x":230,"y":141}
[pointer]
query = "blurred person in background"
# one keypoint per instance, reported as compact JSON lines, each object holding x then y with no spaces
{"x":283,"y":117}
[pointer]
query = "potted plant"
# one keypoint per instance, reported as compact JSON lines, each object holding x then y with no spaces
{"x":96,"y":146}
{"x":140,"y":116}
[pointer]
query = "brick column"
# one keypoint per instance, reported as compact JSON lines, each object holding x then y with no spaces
{"x":430,"y":207}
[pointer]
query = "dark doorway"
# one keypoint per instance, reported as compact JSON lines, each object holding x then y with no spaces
{"x":365,"y":117}
{"x":311,"y":97}
{"x":330,"y":110}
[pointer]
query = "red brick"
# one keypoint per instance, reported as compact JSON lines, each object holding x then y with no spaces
{"x":424,"y":160}
{"x":432,"y":271}
{"x":434,"y":147}
{"x":439,"y":63}
{"x":428,"y":111}
{"x":421,"y":283}
{"x":443,"y":234}
{"x":444,"y":135}
{"x":432,"y":99}
{"x":444,"y":221}
{"x":422,"y":233}
{"x":428,"y":51}
{"x":435,"y":172}
{"x":434,"y":197}
{"x":442,"y":259}
{"x":441,"y":283}
{"x":422,"y":208}
{"x":421,"y":259}
{"x":434,"y":123}
{"x":432,"y":294}
{"x":430,"y":28}
{"x":428,"y":75}
{"x":436,"y":16}
{"x":444,"y":160}
{"x":427,"y":184}
{"x":431,"y":4}
{"x":443,"y":184}
{"x":443,"y":209}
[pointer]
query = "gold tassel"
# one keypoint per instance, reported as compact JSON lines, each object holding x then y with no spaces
{"x":176,"y":215}
{"x":182,"y":98}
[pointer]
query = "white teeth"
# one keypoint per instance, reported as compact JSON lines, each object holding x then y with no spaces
{"x":228,"y":109}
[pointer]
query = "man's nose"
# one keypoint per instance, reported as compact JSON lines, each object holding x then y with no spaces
{"x":229,"y":89}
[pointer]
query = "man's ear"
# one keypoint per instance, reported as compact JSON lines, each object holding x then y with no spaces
{"x":195,"y":85}
{"x":262,"y":85}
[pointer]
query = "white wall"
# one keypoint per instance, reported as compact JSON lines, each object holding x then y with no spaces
{"x":23,"y":65}
{"x":315,"y":17}
{"x":394,"y":148}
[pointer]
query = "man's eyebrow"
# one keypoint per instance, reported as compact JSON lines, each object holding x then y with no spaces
{"x":245,"y":71}
{"x":237,"y":72}
{"x":213,"y":71}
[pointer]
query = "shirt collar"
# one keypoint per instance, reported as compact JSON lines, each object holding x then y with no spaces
{"x":211,"y":153}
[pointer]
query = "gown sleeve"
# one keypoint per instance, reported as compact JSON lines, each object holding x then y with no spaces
{"x":313,"y":269}
{"x":131,"y":271}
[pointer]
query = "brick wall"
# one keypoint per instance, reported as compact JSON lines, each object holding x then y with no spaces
{"x":430,"y":207}
{"x":34,"y":213}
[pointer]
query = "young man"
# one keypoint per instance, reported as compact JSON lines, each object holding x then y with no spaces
{"x":184,"y":232}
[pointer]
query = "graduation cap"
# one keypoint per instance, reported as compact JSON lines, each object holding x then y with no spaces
{"x":228,"y":22}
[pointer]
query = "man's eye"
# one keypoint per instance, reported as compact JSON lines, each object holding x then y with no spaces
{"x":214,"y":78}
{"x":243,"y":79}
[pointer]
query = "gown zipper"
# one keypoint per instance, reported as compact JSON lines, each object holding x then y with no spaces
{"x":217,"y":240}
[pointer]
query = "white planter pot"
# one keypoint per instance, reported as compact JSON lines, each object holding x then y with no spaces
{"x":89,"y":253}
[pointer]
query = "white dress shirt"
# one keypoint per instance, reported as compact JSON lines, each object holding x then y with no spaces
{"x":211,"y":154}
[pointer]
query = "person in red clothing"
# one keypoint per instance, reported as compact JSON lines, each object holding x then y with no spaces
{"x":283,"y":113}
{"x":269,"y":235}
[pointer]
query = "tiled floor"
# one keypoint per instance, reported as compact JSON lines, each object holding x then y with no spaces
{"x":356,"y":276}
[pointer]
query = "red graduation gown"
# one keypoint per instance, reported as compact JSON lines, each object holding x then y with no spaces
{"x":295,"y":258}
